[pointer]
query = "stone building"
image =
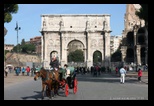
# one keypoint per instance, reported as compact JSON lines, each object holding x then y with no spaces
{"x":37,"y":42}
{"x":8,"y":47}
{"x":64,"y":33}
{"x":134,"y":39}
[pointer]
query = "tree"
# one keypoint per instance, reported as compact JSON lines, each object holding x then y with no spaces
{"x":9,"y":9}
{"x":97,"y":57}
{"x":17,"y":47}
{"x":23,"y":42}
{"x":27,"y":48}
{"x":76,"y":56}
{"x":23,"y":49}
{"x":30,"y":48}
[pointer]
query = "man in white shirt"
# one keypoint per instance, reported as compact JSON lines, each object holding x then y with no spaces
{"x":122,"y":75}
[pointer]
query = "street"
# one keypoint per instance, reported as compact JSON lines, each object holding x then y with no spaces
{"x":104,"y":87}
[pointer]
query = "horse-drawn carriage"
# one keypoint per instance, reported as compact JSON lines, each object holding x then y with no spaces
{"x":69,"y":82}
{"x":55,"y":80}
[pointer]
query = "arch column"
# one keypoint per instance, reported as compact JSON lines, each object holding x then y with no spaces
{"x":89,"y":55}
{"x":42,"y":46}
{"x":85,"y":55}
{"x":107,"y":46}
{"x":63,"y":50}
{"x":138,"y":49}
{"x":123,"y":51}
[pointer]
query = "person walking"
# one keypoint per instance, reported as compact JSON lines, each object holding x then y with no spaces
{"x":23,"y":71}
{"x":116,"y":69}
{"x":122,"y":75}
{"x":139,"y":74}
{"x":6,"y":71}
{"x":18,"y":71}
{"x":28,"y":70}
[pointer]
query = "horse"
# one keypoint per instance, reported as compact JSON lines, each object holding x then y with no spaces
{"x":50,"y":80}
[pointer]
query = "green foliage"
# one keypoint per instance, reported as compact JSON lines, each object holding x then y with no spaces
{"x":16,"y":48}
{"x":6,"y":51}
{"x":97,"y":57}
{"x":24,"y":48}
{"x":30,"y":48}
{"x":76,"y":56}
{"x":23,"y":42}
{"x":9,"y":9}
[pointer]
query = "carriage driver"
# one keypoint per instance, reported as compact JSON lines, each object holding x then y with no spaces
{"x":54,"y":63}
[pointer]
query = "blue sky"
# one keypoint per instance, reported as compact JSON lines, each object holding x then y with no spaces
{"x":29,"y":18}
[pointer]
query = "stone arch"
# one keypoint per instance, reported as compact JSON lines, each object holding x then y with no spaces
{"x":141,"y":30}
{"x":97,"y":57}
{"x":130,"y":38}
{"x":130,"y":55}
{"x":141,"y":39}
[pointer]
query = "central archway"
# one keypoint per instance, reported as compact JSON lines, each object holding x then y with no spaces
{"x":76,"y":53}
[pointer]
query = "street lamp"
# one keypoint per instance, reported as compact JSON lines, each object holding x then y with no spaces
{"x":17,"y":29}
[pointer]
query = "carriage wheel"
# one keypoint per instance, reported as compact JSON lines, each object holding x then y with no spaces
{"x":66,"y":89}
{"x":75,"y":86}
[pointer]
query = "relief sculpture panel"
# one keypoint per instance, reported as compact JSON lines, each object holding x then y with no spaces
{"x":93,"y":43}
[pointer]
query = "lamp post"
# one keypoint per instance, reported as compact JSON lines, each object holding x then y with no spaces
{"x":17,"y":29}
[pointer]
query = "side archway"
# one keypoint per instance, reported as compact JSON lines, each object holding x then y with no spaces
{"x":97,"y":58}
{"x":130,"y":55}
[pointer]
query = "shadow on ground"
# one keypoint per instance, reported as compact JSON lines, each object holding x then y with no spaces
{"x":38,"y":95}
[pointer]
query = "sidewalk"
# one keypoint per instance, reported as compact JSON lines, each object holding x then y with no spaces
{"x":12,"y":79}
{"x":133,"y":74}
{"x":144,"y":77}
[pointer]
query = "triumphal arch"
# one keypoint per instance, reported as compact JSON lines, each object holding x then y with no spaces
{"x":68,"y":32}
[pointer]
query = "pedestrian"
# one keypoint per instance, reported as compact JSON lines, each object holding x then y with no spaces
{"x":18,"y":71}
{"x":28,"y":70}
{"x":122,"y":75}
{"x":6,"y":71}
{"x":116,"y":69}
{"x":32,"y":71}
{"x":139,"y":74}
{"x":23,"y":71}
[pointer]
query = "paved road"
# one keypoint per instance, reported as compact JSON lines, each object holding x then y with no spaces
{"x":104,"y":87}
